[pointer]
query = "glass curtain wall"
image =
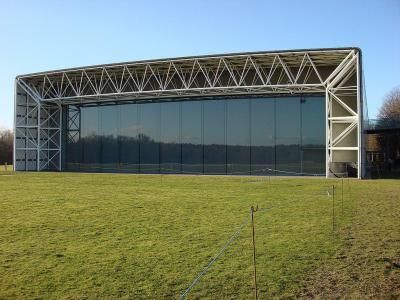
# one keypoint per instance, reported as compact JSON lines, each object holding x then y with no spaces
{"x":262,"y":136}
{"x":257,"y":136}
{"x":192,"y":137}
{"x":128,"y":138}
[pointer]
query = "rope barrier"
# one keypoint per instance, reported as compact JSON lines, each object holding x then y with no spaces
{"x":178,"y":171}
{"x":218,"y":255}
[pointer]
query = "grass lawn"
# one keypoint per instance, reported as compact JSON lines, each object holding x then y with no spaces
{"x":69,"y":235}
{"x":4,"y":168}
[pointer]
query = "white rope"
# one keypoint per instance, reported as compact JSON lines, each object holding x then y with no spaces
{"x":176,"y":171}
{"x":220,"y":252}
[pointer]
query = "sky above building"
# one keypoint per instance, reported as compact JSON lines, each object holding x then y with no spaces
{"x":46,"y":35}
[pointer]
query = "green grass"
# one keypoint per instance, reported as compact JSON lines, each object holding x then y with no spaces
{"x":3,"y":168}
{"x":69,"y":235}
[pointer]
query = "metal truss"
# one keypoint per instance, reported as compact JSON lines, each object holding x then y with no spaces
{"x":334,"y":72}
{"x":37,"y":144}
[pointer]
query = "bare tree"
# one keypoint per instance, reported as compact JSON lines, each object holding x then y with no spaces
{"x":389,"y":117}
{"x":390,"y":108}
{"x":6,"y":146}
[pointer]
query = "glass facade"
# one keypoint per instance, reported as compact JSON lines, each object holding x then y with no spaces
{"x":258,"y":136}
{"x":288,"y":135}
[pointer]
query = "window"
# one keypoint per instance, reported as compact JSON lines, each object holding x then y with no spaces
{"x":214,"y":137}
{"x":129,"y":138}
{"x":313,"y":135}
{"x":149,"y":137}
{"x":191,"y":137}
{"x":170,"y":138}
{"x":288,"y":135}
{"x":90,"y":139}
{"x":259,"y":136}
{"x":238,"y":136}
{"x":108,"y":137}
{"x":263,"y":136}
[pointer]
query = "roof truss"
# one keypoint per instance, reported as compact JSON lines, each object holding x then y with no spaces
{"x":282,"y":72}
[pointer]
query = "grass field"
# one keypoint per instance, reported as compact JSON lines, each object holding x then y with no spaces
{"x":69,"y":235}
{"x":4,"y":168}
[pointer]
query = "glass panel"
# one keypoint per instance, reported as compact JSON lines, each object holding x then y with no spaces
{"x":214,"y":137}
{"x":288,"y":135}
{"x":109,"y":137}
{"x":73,"y":143}
{"x":90,"y":138}
{"x":313,"y":135}
{"x":129,"y":138}
{"x":238,"y":136}
{"x":263,"y":136}
{"x":149,"y":137}
{"x":170,"y":138}
{"x":208,"y":136}
{"x":191,"y":137}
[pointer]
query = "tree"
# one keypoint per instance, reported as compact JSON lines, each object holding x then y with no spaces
{"x":390,"y":109}
{"x":6,"y":146}
{"x":389,"y":117}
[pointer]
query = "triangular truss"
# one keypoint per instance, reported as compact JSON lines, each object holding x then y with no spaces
{"x":334,"y":72}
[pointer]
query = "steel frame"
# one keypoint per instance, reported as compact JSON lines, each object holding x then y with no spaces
{"x":334,"y":72}
{"x":37,"y":144}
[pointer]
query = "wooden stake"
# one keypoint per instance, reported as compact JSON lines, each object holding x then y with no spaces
{"x":254,"y":254}
{"x":333,"y":208}
{"x":342,"y":195}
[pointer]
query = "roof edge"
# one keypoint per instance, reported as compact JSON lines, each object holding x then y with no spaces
{"x":187,"y":58}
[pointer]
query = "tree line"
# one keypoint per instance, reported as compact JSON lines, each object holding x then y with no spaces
{"x":389,"y":140}
{"x":6,"y":146}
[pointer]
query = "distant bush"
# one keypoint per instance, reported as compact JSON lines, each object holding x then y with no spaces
{"x":6,"y":146}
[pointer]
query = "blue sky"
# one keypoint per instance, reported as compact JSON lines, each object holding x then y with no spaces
{"x":44,"y":35}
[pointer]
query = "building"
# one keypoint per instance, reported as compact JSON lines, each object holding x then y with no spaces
{"x":296,"y":112}
{"x":382,"y":146}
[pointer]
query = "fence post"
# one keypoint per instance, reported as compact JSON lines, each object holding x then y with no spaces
{"x":333,"y":208}
{"x":342,"y":196}
{"x":5,"y":166}
{"x":254,"y":253}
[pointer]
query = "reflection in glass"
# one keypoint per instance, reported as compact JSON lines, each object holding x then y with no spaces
{"x":263,"y":136}
{"x":109,"y":137}
{"x":312,"y":135}
{"x":90,"y":139}
{"x":129,"y":138}
{"x":259,"y":136}
{"x":149,"y":137}
{"x":191,"y":137}
{"x":288,"y":134}
{"x":238,"y":136}
{"x":170,"y":138}
{"x":214,"y":137}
